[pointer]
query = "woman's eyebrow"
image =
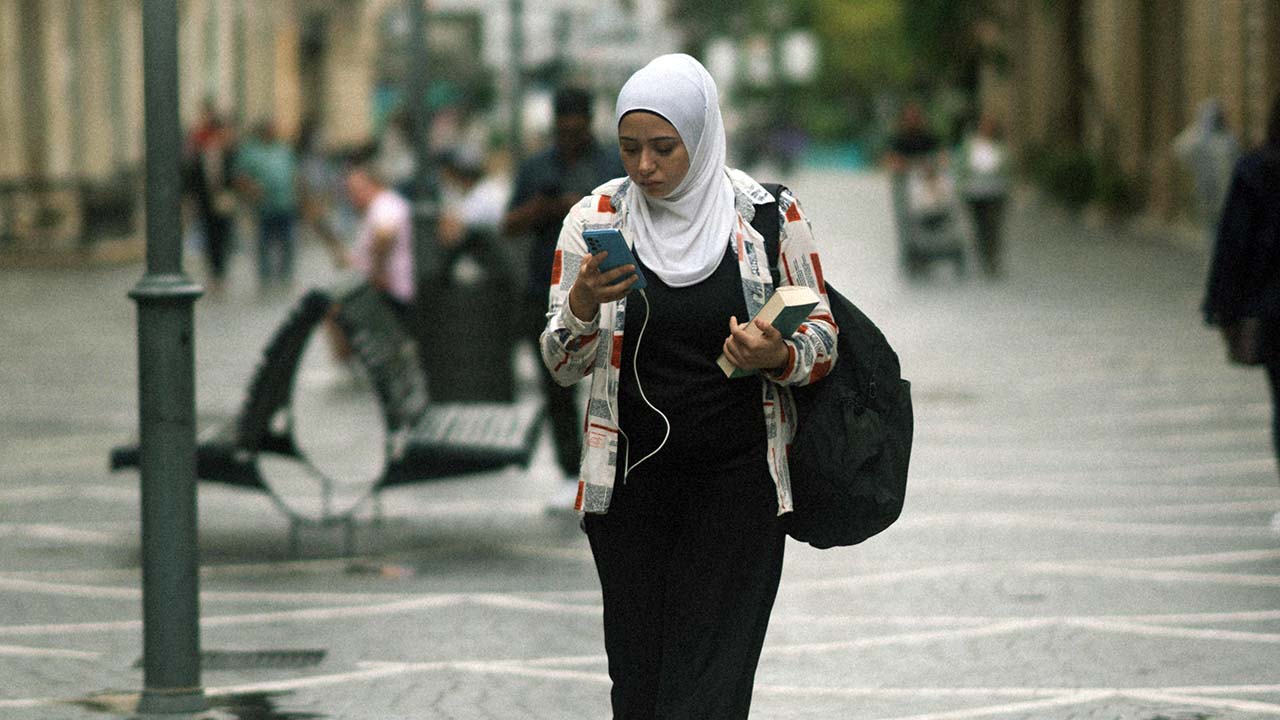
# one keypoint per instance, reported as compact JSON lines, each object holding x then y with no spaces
{"x":660,"y":138}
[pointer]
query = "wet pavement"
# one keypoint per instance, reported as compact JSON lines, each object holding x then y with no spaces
{"x":1086,"y":532}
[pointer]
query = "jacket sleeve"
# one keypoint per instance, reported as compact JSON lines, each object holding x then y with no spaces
{"x":1227,"y":291}
{"x":568,"y":345}
{"x":812,"y":348}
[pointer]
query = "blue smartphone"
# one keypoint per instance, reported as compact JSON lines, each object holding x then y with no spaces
{"x":619,"y":254}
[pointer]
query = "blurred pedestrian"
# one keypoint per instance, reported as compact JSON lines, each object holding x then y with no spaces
{"x":319,"y":182}
{"x":1209,"y":151}
{"x":472,"y":207}
{"x":209,"y":183}
{"x":984,"y":183}
{"x":383,"y":248}
{"x":684,"y":472}
{"x":382,"y":251}
{"x":788,"y":142}
{"x":266,"y":172}
{"x":207,"y":120}
{"x":912,"y":141}
{"x":1243,"y":293}
{"x":926,"y":205}
{"x":547,"y":185}
{"x":397,"y":161}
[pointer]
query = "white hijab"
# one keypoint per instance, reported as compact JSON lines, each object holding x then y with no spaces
{"x":683,"y":236}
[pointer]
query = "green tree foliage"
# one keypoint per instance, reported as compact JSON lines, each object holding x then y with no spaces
{"x":862,"y":46}
{"x":868,"y":48}
{"x":703,"y":19}
{"x":940,"y":37}
{"x":862,"y":56}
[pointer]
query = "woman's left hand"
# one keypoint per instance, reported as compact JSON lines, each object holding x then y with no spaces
{"x":755,"y":351}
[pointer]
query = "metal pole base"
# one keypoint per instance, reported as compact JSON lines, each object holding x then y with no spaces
{"x":172,"y":702}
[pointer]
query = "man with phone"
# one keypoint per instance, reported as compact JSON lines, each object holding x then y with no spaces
{"x":547,"y":185}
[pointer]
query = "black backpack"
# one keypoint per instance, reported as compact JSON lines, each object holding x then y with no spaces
{"x":849,"y":457}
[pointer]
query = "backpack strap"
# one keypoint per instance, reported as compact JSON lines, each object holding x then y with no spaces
{"x":767,"y":224}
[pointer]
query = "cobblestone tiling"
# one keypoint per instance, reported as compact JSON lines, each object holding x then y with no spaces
{"x":1085,"y":536}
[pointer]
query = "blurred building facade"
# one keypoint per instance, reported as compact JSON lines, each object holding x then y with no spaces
{"x":1120,"y":78}
{"x":71,"y":118}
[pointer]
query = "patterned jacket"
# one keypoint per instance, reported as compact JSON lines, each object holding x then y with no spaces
{"x":573,"y":349}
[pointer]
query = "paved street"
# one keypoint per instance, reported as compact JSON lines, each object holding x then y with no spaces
{"x":1085,"y":536}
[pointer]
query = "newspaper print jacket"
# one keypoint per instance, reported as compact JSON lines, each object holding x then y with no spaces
{"x":573,"y":349}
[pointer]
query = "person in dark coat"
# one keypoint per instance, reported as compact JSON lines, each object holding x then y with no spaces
{"x":209,"y":182}
{"x":1244,"y":277}
{"x":547,"y":186}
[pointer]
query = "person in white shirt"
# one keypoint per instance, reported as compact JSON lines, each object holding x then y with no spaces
{"x":984,"y":182}
{"x":383,"y":249}
{"x":472,"y":206}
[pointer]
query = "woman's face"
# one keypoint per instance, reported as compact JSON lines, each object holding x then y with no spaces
{"x":653,"y":154}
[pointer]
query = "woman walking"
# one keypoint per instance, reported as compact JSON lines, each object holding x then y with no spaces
{"x":684,"y":471}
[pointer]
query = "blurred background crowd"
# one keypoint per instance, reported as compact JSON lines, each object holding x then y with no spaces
{"x":1118,"y":109}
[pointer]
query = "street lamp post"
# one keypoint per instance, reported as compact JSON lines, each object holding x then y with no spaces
{"x":427,"y":258}
{"x":426,"y":202}
{"x":166,"y":397}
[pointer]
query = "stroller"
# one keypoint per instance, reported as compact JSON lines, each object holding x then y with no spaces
{"x":926,"y":208}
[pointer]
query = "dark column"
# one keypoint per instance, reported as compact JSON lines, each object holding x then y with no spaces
{"x":1163,"y":63}
{"x":31,"y":22}
{"x":115,"y":96}
{"x":239,"y":61}
{"x":516,"y":141}
{"x":166,"y":397}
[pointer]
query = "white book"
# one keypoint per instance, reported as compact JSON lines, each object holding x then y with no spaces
{"x":785,"y":310}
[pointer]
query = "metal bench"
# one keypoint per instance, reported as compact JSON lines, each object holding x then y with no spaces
{"x":421,"y":440}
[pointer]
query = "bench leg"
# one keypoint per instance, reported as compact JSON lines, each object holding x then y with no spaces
{"x":377,"y":509}
{"x":348,"y":536}
{"x":295,"y":540}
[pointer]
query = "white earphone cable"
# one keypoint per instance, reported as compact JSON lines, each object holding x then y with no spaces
{"x":635,"y":369}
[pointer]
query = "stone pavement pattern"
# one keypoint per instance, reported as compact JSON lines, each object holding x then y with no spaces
{"x":1085,"y":534}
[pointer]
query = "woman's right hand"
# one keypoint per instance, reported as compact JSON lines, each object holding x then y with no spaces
{"x":592,"y":287}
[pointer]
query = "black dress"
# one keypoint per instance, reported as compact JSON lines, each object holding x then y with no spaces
{"x":690,"y":553}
